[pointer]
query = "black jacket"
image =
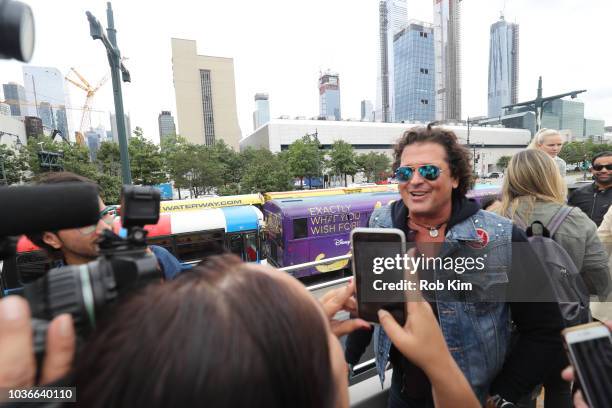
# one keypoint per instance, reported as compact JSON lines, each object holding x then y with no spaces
{"x":592,"y":201}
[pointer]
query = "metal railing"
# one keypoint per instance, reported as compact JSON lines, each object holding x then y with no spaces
{"x":326,"y":261}
{"x":361,"y":367}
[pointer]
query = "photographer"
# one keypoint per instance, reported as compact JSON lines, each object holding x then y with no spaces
{"x":225,"y":339}
{"x":79,"y":245}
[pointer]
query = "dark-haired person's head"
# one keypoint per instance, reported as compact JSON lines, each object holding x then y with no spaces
{"x":225,"y":334}
{"x":76,"y":245}
{"x":432,"y":168}
{"x":601,"y":168}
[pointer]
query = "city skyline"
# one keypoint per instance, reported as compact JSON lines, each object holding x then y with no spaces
{"x":286,"y":66}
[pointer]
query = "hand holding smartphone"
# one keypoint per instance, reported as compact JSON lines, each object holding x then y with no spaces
{"x":369,"y":245}
{"x":590,"y":349}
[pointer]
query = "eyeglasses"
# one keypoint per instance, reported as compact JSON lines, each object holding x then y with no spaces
{"x":600,"y":167}
{"x":107,"y":216}
{"x":428,"y":172}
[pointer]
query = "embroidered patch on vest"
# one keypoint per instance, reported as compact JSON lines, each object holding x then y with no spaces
{"x":483,"y":239}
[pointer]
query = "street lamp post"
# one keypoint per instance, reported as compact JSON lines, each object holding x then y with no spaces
{"x":537,"y":105}
{"x":114,"y":60}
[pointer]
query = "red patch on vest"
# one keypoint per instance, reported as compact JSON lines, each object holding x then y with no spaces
{"x":483,"y":239}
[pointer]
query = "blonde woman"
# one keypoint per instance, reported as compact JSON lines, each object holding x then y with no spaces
{"x":550,"y":142}
{"x":603,"y":310}
{"x":533,"y":190}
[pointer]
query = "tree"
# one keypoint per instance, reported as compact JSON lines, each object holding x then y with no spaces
{"x":267,"y":172}
{"x":342,"y":159}
{"x":375,"y":166}
{"x":12,"y":166}
{"x":503,"y":161}
{"x":138,"y":132}
{"x":230,"y":160}
{"x":109,"y":159}
{"x":205,"y":172}
{"x":75,"y":159}
{"x":145,"y":161}
{"x":305,"y":158}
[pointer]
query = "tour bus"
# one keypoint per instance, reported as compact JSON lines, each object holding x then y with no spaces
{"x":205,"y":203}
{"x":190,"y":235}
{"x":277,"y":195}
{"x":300,"y":230}
{"x":195,"y":235}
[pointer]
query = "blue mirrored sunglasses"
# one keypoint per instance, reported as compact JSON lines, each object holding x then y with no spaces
{"x":428,"y":172}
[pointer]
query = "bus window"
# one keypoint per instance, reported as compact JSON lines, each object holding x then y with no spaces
{"x":235,"y":245}
{"x":250,"y":246}
{"x":273,"y":252}
{"x":199,"y":245}
{"x":300,"y":229}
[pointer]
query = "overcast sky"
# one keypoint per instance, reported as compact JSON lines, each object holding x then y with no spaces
{"x":279,"y":47}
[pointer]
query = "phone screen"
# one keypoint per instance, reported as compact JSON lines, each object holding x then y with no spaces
{"x":591,"y":355}
{"x":368,"y":245}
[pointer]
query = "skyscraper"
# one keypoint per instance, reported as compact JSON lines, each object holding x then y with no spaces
{"x":45,"y":113}
{"x":503,"y":66}
{"x":5,"y":109}
{"x":205,"y":95}
{"x":392,"y":18}
{"x":166,"y":124}
{"x":115,"y":132}
{"x":329,"y":96}
{"x":261,"y":116}
{"x":367,"y":110}
{"x":14,"y":96}
{"x":415,"y":94}
{"x":447,"y":36}
{"x":61,"y":120}
{"x":45,"y":85}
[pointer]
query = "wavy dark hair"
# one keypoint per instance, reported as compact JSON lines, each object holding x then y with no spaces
{"x":223,"y":334}
{"x":457,"y":156}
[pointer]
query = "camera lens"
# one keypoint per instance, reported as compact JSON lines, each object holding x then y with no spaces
{"x":16,"y":30}
{"x":81,"y":290}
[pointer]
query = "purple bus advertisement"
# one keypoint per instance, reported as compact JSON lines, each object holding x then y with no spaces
{"x":309,"y":229}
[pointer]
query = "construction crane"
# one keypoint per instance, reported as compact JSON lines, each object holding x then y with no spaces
{"x":90,"y":93}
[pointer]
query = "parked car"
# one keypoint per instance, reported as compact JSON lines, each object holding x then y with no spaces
{"x":494,"y":174}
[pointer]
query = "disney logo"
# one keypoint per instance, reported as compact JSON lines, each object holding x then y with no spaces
{"x":341,"y":242}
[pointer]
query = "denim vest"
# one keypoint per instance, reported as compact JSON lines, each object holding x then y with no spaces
{"x":477,"y":333}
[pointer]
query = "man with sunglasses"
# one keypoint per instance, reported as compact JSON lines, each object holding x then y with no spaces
{"x":595,"y":199}
{"x":434,"y":175}
{"x":78,"y":246}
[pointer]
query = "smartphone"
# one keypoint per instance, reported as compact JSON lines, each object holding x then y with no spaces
{"x":369,"y":246}
{"x":590,"y":350}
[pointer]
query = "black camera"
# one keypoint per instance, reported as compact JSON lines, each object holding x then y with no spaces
{"x":16,"y":30}
{"x":84,"y":291}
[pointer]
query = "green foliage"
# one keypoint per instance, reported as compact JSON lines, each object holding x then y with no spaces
{"x":109,"y":159}
{"x":230,"y":161}
{"x":503,"y":161}
{"x":305,"y":158}
{"x":577,"y":152}
{"x":375,"y":166}
{"x":12,"y":166}
{"x":145,"y":161}
{"x":342,"y":159}
{"x":75,"y":159}
{"x":266,"y":172}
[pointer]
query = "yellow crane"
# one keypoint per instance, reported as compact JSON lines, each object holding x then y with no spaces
{"x":90,"y":91}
